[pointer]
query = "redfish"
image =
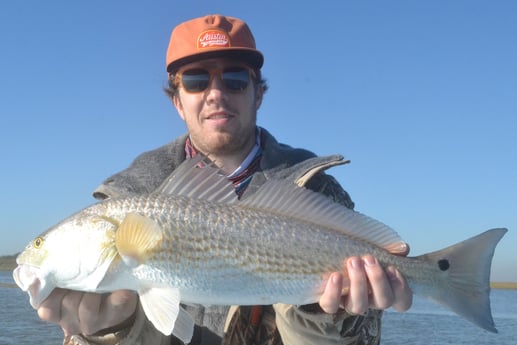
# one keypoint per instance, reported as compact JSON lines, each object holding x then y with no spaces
{"x":194,"y":241}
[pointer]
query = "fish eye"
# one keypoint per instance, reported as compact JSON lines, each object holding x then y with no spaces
{"x":38,"y":242}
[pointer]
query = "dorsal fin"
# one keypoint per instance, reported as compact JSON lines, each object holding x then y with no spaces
{"x":283,"y":198}
{"x":198,"y":178}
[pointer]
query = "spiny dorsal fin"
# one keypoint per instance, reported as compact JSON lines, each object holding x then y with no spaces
{"x":302,"y":180}
{"x":136,"y":238}
{"x":207,"y":182}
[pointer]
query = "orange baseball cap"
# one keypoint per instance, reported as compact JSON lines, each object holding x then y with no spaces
{"x":209,"y":37}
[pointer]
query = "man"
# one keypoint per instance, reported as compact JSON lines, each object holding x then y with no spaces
{"x":215,"y":84}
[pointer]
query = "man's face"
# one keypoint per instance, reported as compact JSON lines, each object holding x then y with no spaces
{"x":220,"y":120}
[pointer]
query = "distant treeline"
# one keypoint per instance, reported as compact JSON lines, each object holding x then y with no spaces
{"x":8,"y":262}
{"x":504,"y":285}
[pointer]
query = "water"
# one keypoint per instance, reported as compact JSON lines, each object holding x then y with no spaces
{"x":424,"y":324}
{"x":19,"y":323}
{"x":429,"y":324}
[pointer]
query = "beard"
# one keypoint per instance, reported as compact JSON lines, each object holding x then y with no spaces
{"x":224,"y":143}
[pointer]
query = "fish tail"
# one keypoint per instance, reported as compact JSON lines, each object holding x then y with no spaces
{"x":463,"y":283}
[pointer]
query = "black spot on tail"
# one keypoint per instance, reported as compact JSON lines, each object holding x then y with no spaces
{"x":444,"y":264}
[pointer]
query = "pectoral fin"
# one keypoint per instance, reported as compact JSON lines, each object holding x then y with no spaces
{"x":162,"y":308}
{"x":136,"y":238}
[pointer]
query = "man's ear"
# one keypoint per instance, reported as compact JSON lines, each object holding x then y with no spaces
{"x":179,"y":107}
{"x":259,"y":93}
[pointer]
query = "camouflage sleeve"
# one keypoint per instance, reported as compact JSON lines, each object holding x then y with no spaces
{"x":141,"y":332}
{"x":297,"y":326}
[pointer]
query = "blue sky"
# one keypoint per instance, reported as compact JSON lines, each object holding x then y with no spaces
{"x":420,"y":95}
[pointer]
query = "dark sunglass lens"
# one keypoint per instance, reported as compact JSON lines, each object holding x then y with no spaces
{"x":236,"y":79}
{"x":195,"y":80}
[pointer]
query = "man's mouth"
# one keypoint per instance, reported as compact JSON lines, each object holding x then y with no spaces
{"x":219,"y":115}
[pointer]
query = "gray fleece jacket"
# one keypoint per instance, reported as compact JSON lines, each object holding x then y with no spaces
{"x":295,"y":325}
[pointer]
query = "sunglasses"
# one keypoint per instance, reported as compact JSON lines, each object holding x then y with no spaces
{"x":234,"y":79}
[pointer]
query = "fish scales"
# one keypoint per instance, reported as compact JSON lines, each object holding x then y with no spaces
{"x":224,"y":250}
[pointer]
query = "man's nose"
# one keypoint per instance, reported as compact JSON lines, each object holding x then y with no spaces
{"x":215,"y":89}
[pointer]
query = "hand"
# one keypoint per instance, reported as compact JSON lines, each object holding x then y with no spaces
{"x":87,"y":313}
{"x":368,"y":285}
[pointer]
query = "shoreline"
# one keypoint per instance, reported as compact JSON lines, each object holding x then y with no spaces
{"x":504,"y":285}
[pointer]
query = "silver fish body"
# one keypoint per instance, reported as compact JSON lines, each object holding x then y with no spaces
{"x":184,"y":244}
{"x":225,"y":254}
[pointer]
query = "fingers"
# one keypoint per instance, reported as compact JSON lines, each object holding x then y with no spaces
{"x":70,"y":321}
{"x":50,"y":309}
{"x":357,"y":300}
{"x":382,"y":296}
{"x":58,"y":308}
{"x":87,"y":313}
{"x":117,"y":307}
{"x":331,"y":298}
{"x":97,"y":312}
{"x":402,"y":294}
{"x":370,"y":286}
{"x":88,"y":317}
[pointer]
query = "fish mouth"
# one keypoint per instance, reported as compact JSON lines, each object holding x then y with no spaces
{"x":27,"y":279}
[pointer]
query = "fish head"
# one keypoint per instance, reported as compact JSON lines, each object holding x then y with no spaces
{"x":75,"y":254}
